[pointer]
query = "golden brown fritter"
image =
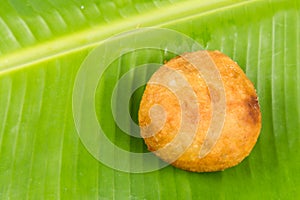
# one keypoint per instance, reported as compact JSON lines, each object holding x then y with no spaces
{"x":160,"y":129}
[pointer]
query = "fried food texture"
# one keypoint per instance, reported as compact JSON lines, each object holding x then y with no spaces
{"x":179,"y":103}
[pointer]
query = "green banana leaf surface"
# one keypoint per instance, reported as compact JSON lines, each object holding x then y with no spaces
{"x":42,"y":47}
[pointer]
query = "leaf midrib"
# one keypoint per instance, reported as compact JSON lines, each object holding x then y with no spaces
{"x":90,"y":38}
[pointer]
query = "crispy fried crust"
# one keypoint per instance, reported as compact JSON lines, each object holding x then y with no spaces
{"x":242,"y":121}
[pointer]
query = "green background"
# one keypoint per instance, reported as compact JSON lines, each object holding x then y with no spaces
{"x":42,"y":45}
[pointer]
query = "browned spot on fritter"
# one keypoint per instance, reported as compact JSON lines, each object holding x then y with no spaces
{"x":253,"y":109}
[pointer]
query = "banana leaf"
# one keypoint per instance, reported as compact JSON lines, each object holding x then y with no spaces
{"x":42,"y":47}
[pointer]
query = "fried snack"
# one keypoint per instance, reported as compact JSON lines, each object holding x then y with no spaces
{"x":160,"y":128}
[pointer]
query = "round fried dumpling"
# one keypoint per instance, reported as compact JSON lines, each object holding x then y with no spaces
{"x":191,"y":122}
